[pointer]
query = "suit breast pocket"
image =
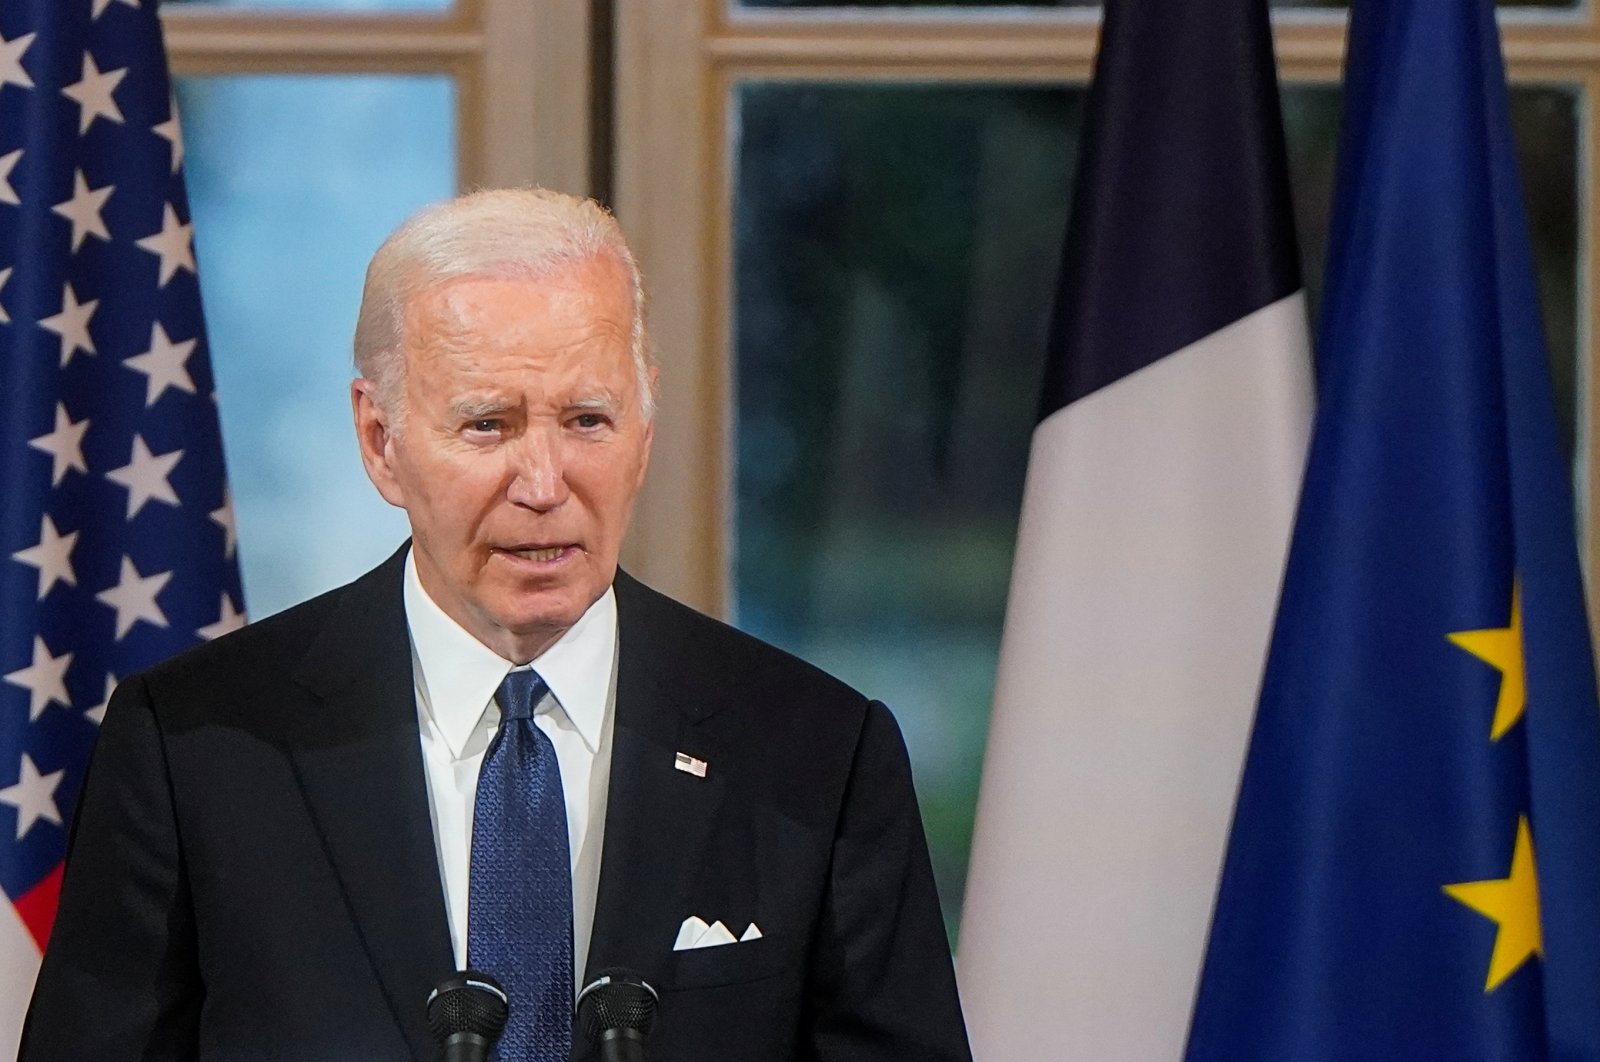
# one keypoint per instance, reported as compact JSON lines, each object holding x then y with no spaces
{"x":727,"y":964}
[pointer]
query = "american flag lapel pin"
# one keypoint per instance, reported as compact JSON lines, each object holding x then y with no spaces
{"x":690,"y":764}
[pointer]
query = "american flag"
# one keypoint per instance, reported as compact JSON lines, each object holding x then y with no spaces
{"x":115,"y":522}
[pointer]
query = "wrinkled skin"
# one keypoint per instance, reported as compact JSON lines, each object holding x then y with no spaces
{"x":522,"y":446}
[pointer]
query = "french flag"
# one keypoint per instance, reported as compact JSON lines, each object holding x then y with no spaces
{"x":1161,"y":488}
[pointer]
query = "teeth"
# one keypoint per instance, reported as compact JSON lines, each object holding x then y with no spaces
{"x":541,"y":554}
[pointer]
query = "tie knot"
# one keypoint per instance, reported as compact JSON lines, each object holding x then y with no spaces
{"x":519,"y":692}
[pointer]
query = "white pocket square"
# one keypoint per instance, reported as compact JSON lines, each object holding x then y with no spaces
{"x":695,"y":933}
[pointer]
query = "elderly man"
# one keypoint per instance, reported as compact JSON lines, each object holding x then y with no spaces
{"x":496,"y":749}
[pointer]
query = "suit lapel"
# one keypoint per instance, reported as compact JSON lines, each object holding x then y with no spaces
{"x":658,"y":818}
{"x":359,"y":762}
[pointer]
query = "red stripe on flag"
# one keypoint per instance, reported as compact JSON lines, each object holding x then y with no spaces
{"x":37,"y":906}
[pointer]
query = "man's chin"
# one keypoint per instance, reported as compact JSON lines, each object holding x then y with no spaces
{"x":529,"y":628}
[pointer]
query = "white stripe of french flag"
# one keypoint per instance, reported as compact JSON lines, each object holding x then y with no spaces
{"x":1161,"y":488}
{"x":1154,"y":526}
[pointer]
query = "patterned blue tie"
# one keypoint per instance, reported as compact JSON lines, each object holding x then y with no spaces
{"x":519,"y":896}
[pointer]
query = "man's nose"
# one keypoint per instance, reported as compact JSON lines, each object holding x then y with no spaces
{"x":538,"y":477}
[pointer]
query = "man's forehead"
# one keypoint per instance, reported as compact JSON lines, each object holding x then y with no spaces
{"x":577,"y":373}
{"x":477,"y":310}
{"x":601,"y":275}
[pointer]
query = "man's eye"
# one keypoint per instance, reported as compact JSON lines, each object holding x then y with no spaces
{"x":589,"y":420}
{"x":484,"y":425}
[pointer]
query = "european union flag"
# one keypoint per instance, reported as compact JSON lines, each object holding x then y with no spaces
{"x":1414,"y":870}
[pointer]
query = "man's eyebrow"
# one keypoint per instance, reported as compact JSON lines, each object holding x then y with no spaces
{"x":597,"y":400}
{"x":479,"y":408}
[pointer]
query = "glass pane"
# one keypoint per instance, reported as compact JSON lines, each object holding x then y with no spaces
{"x":293,"y":182}
{"x":895,"y":254}
{"x":895,"y":259}
{"x":321,"y":5}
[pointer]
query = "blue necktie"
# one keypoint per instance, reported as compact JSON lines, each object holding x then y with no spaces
{"x":519,"y":897}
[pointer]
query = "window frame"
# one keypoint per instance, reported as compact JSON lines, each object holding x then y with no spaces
{"x":522,"y":97}
{"x":678,"y":63}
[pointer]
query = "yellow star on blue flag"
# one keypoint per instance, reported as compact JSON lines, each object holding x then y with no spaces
{"x":1513,"y":903}
{"x":1501,"y":647}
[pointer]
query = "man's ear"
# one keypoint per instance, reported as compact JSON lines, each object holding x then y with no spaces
{"x":377,"y":441}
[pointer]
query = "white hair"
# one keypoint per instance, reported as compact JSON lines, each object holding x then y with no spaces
{"x":498,"y":233}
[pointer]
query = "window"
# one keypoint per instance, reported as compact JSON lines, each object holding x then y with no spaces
{"x":849,"y":216}
{"x":851,"y":220}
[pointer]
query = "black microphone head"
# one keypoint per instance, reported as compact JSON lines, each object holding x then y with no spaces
{"x":617,"y":999}
{"x":469,"y":1004}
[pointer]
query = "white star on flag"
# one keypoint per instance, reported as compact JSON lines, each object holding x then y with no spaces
{"x":52,"y":556}
{"x":8,"y":162}
{"x":5,"y":275}
{"x":223,"y":518}
{"x":228,"y":621}
{"x":97,"y":714}
{"x":172,"y":133}
{"x":83,"y":210}
{"x":145,"y":476}
{"x":94,"y":94}
{"x":45,"y":679}
{"x":11,"y":53}
{"x":101,"y":5}
{"x":33,"y":795}
{"x":174,"y":243}
{"x":64,"y":444}
{"x":134,"y":598}
{"x":163,"y":364}
{"x":72,"y":324}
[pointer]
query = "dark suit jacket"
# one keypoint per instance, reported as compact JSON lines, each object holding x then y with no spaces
{"x":252,"y":873}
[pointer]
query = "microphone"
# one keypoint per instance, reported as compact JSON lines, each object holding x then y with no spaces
{"x":616,"y":1011}
{"x":466,"y":1014}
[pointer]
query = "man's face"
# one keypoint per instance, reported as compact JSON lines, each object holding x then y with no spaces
{"x":523,"y":445}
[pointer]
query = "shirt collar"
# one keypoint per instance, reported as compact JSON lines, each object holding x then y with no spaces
{"x":458,"y":675}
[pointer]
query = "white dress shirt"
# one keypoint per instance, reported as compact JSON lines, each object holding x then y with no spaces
{"x":456,"y":677}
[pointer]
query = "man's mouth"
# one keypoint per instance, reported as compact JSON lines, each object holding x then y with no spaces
{"x":538,"y":554}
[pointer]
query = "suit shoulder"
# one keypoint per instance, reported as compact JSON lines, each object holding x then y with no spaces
{"x":265,"y":650}
{"x":263,"y":644}
{"x":728,"y":658}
